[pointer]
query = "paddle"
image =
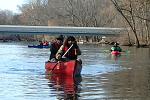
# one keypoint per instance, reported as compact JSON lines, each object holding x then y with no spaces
{"x":62,"y":57}
{"x":126,"y":51}
{"x":54,"y":66}
{"x":108,"y":51}
{"x":67,"y":51}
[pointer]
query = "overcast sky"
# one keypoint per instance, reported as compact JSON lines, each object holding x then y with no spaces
{"x":10,"y":4}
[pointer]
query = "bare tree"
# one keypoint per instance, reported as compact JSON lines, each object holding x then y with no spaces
{"x":6,"y":17}
{"x":89,"y":12}
{"x":128,"y":14}
{"x":33,"y":13}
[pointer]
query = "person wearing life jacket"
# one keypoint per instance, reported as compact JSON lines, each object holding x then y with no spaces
{"x":116,"y":47}
{"x":55,"y":45}
{"x":40,"y":44}
{"x":45,"y":43}
{"x":73,"y":52}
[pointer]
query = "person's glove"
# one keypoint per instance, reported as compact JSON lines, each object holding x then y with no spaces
{"x":59,"y":56}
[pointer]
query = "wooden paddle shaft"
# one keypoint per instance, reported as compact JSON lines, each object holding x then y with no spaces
{"x":67,"y":51}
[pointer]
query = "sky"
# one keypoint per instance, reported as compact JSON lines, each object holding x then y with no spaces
{"x":10,"y":5}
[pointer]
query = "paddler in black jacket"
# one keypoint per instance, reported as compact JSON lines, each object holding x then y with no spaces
{"x":73,"y":52}
{"x":55,"y":47}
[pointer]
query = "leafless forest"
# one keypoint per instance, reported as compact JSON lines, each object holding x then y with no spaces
{"x":133,"y":14}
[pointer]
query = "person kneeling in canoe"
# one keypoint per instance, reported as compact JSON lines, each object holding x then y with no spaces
{"x":69,"y":50}
{"x":55,"y":47}
{"x":116,"y":48}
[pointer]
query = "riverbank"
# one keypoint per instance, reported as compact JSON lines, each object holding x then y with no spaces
{"x":123,"y":41}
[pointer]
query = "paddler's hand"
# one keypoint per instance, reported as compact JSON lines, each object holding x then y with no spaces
{"x":59,"y":56}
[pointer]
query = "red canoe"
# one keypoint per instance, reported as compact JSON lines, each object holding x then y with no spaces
{"x":69,"y":68}
{"x":115,"y":53}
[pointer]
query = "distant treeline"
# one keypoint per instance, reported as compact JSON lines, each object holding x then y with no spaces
{"x":132,"y":14}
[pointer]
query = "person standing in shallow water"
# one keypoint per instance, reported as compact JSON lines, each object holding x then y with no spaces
{"x":74,"y":51}
{"x":55,"y":47}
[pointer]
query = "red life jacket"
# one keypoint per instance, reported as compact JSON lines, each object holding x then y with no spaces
{"x":71,"y":53}
{"x":45,"y":43}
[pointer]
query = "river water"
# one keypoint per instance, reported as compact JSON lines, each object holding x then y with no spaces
{"x":103,"y":77}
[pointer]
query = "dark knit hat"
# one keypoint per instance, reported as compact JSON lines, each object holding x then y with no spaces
{"x":71,"y":38}
{"x":60,"y":37}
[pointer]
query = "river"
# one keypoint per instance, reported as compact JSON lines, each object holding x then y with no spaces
{"x":103,"y":77}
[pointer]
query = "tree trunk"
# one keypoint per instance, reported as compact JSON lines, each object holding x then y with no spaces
{"x":133,"y":28}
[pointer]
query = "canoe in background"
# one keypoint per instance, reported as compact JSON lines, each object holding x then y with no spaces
{"x":38,"y":46}
{"x":115,"y":53}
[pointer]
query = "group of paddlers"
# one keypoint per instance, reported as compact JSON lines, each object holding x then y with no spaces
{"x":64,"y":49}
{"x":45,"y":43}
{"x":69,"y":49}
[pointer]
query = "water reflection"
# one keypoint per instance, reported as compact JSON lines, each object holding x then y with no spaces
{"x":66,"y":87}
{"x":104,"y":77}
{"x":115,"y":57}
